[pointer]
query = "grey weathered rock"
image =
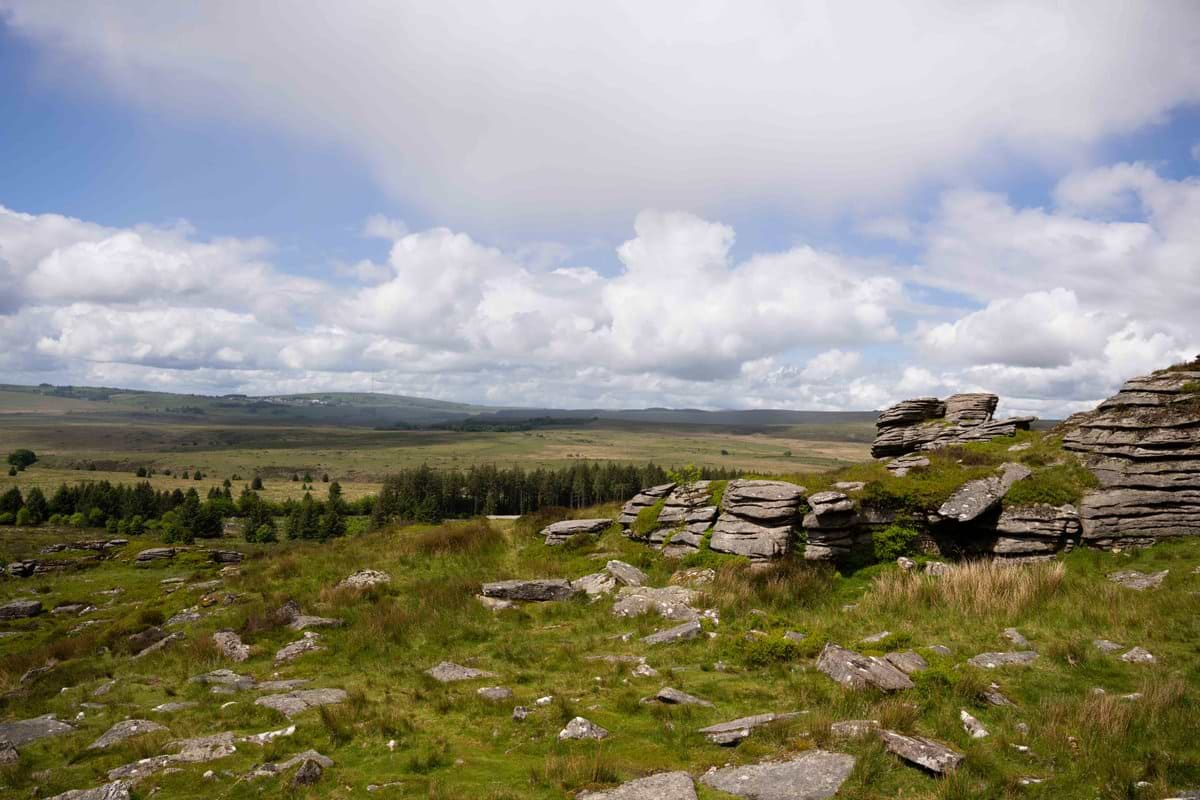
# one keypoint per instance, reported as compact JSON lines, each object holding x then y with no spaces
{"x":904,"y":464}
{"x":858,"y":671}
{"x":854,"y":728}
{"x":231,"y":646}
{"x":992,"y":660}
{"x":1132,"y":579}
{"x":520,"y":713}
{"x":1014,"y":636}
{"x":278,"y":768}
{"x":688,"y":630}
{"x":144,"y":638}
{"x":626,"y":574}
{"x":1036,"y":529}
{"x":292,"y":703}
{"x":972,"y":726}
{"x":795,"y":636}
{"x":670,"y":602}
{"x":907,"y":662}
{"x":226,"y":556}
{"x":126,"y":729}
{"x":728,"y":734}
{"x":1105,"y":646}
{"x":8,"y":753}
{"x":156,"y":554}
{"x":117,"y":790}
{"x":926,"y":753}
{"x":559,"y":532}
{"x":876,"y":637}
{"x":24,"y":731}
{"x":365,"y":579}
{"x":973,"y":498}
{"x":494,"y":693}
{"x":672,"y":697}
{"x":18,"y":609}
{"x":757,"y":518}
{"x":812,"y":775}
{"x":580,"y":728}
{"x":189,"y":751}
{"x":663,"y":786}
{"x":310,"y":643}
{"x":308,"y":774}
{"x":225,"y":677}
{"x":1138,"y":655}
{"x":926,"y":423}
{"x":449,"y":672}
{"x":643,"y":499}
{"x":305,"y":621}
{"x":595,"y":584}
{"x":535,"y":590}
{"x":495,"y":603}
{"x":172,"y":707}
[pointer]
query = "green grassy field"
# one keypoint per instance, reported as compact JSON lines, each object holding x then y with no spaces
{"x":451,"y":744}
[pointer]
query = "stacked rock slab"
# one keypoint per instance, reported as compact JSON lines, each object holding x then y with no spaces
{"x":643,"y":499}
{"x":1143,"y":444}
{"x":927,"y":423}
{"x":758,"y":518}
{"x":1035,"y":532}
{"x":560,"y":532}
{"x":832,"y":527}
{"x":685,"y":517}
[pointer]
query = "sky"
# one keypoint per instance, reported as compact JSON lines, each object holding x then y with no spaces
{"x":748,"y":204}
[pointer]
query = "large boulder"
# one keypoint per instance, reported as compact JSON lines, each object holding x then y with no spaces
{"x":974,"y":498}
{"x":859,"y":672}
{"x":1143,"y":445}
{"x":17,"y":609}
{"x":758,"y":518}
{"x":559,"y":532}
{"x":812,"y":775}
{"x":643,"y":499}
{"x":534,"y":590}
{"x":663,"y":786}
{"x":926,"y":423}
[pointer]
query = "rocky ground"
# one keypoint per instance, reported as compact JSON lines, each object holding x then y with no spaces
{"x":475,"y":660}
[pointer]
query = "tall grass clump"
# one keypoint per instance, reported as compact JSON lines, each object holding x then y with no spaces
{"x":974,"y":588}
{"x":788,"y":584}
{"x":470,"y":538}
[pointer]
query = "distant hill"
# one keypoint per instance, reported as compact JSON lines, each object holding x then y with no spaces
{"x":364,"y":409}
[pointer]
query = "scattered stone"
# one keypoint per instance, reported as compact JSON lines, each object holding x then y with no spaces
{"x":117,"y":790}
{"x":858,"y":671}
{"x":305,"y":621}
{"x":495,"y":603}
{"x":143,"y":639}
{"x":854,"y":728}
{"x":231,"y":646}
{"x":1139,"y":655}
{"x":904,"y":464}
{"x":225,"y":677}
{"x":308,"y":774}
{"x":580,"y":728}
{"x":187,"y":615}
{"x":267,"y":737}
{"x":1132,"y":579}
{"x":495,"y":694}
{"x":520,"y":713}
{"x":644,"y":670}
{"x":365,"y":579}
{"x":849,"y":486}
{"x":126,"y":729}
{"x":18,"y":609}
{"x":161,"y":644}
{"x":813,"y":775}
{"x":626,"y":574}
{"x":1105,"y":646}
{"x":226,"y":556}
{"x":21,"y":732}
{"x":559,"y":532}
{"x":729,"y":734}
{"x":293,"y":703}
{"x":905,"y":563}
{"x":449,"y":672}
{"x":693,"y":577}
{"x":537,"y":590}
{"x":156,"y":554}
{"x":72,"y":609}
{"x":595,"y":585}
{"x":308,"y":644}
{"x":671,"y":697}
{"x":876,"y":637}
{"x":936,"y":568}
{"x":269,"y":770}
{"x":670,"y":602}
{"x":190,"y":751}
{"x":1014,"y":636}
{"x":663,"y":786}
{"x":544,"y":701}
{"x":1020,"y":658}
{"x":994,"y":696}
{"x":795,"y":636}
{"x":907,"y":662}
{"x":36,"y":672}
{"x":8,"y":753}
{"x":926,"y":753}
{"x":688,"y":630}
{"x":940,"y":649}
{"x":171,"y":708}
{"x":972,"y":726}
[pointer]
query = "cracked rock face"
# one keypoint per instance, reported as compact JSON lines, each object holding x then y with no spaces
{"x":643,"y":499}
{"x":1143,"y":445}
{"x":814,"y":775}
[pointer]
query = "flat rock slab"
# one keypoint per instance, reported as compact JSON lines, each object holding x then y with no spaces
{"x":125,"y":729}
{"x":814,"y":775}
{"x":117,"y":790}
{"x":494,"y":694}
{"x":907,"y":662}
{"x":1132,"y":579}
{"x":289,"y":652}
{"x":280,"y":767}
{"x":731,"y":733}
{"x":674,"y":697}
{"x":663,"y":786}
{"x":293,"y":703}
{"x":925,"y":753}
{"x":365,"y":579}
{"x":449,"y":672}
{"x":156,"y":554}
{"x":19,"y":609}
{"x":225,"y":677}
{"x":231,"y":646}
{"x":680,"y":633}
{"x":973,"y":498}
{"x":538,"y":590}
{"x":1021,"y":658}
{"x":24,"y":731}
{"x":854,"y":728}
{"x":626,"y":574}
{"x":1139,"y":655}
{"x":559,"y":532}
{"x":1106,"y":646}
{"x":580,"y":728}
{"x":858,"y":671}
{"x":305,"y":621}
{"x":671,"y":602}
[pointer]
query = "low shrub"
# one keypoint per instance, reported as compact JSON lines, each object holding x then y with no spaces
{"x":472,"y":537}
{"x":647,"y":520}
{"x":1055,"y":485}
{"x":897,"y":539}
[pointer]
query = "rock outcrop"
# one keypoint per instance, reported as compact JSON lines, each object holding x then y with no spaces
{"x":926,"y":423}
{"x":831,"y":526}
{"x":643,"y":499}
{"x":1143,"y":444}
{"x":758,"y":518}
{"x":559,"y":532}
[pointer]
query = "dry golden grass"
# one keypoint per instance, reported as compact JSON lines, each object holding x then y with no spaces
{"x":975,"y":588}
{"x":740,"y":586}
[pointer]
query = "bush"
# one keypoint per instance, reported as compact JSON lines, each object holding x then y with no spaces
{"x":894,"y":541}
{"x":24,"y":518}
{"x":22,"y":458}
{"x":7,"y":518}
{"x":762,"y":651}
{"x":647,"y":520}
{"x":256,"y":484}
{"x":77,"y":520}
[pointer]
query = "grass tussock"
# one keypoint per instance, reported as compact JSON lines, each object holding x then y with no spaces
{"x":788,"y":584}
{"x":472,"y":538}
{"x":975,"y":588}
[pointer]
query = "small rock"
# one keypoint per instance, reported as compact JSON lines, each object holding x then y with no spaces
{"x":495,"y":603}
{"x":123,"y":730}
{"x":907,"y":662}
{"x":117,"y":790}
{"x":936,"y":568}
{"x":926,"y":753}
{"x":858,"y":671}
{"x":906,"y":564}
{"x":1021,"y":658}
{"x":308,"y":774}
{"x":1014,"y":636}
{"x":520,"y":713}
{"x":537,"y":590}
{"x":449,"y":672}
{"x":1138,"y":655}
{"x":688,"y":630}
{"x":644,"y":670}
{"x":854,"y":728}
{"x":290,"y":652}
{"x":728,"y":734}
{"x":812,"y":775}
{"x":940,"y":649}
{"x":231,"y":646}
{"x":1105,"y":646}
{"x":626,"y":574}
{"x":670,"y":696}
{"x":972,"y":726}
{"x":663,"y":786}
{"x":494,"y":693}
{"x":18,"y":609}
{"x":795,"y":636}
{"x":365,"y":579}
{"x":875,"y":637}
{"x":580,"y":728}
{"x":1138,"y":581}
{"x":293,"y":703}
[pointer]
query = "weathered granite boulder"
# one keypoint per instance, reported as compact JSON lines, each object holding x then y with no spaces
{"x":24,"y":731}
{"x":580,"y":728}
{"x":1019,"y":658}
{"x":156,"y":554}
{"x":116,"y":790}
{"x":832,"y":527}
{"x":1138,"y":581}
{"x":559,"y":532}
{"x":858,"y":671}
{"x":1038,"y":529}
{"x":125,"y":729}
{"x":1143,"y":444}
{"x":663,"y":786}
{"x":684,"y":518}
{"x":680,"y":633}
{"x":18,"y":609}
{"x":535,"y":590}
{"x":974,"y":498}
{"x":365,"y":579}
{"x":813,"y":775}
{"x":674,"y":697}
{"x":729,"y":734}
{"x":926,"y":423}
{"x":925,"y":753}
{"x":643,"y":499}
{"x":292,"y":703}
{"x":758,"y":518}
{"x":449,"y":672}
{"x":231,"y":645}
{"x":670,"y":602}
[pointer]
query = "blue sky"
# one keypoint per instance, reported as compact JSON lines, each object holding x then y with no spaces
{"x":753,"y":205}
